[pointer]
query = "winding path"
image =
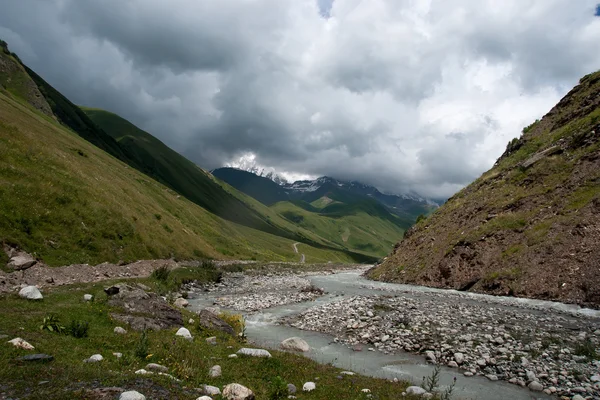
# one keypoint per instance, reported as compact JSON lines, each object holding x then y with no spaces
{"x":302,"y":258}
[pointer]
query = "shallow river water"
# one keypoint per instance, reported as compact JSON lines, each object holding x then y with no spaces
{"x":262,"y":329}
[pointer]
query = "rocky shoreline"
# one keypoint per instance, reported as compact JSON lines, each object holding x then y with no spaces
{"x":544,"y":350}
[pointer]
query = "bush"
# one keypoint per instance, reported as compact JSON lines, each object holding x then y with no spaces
{"x":51,"y":323}
{"x":278,"y":389}
{"x":587,"y":349}
{"x":420,"y":218}
{"x":161,"y":273}
{"x":530,"y":127}
{"x":78,"y":329}
{"x":142,"y":347}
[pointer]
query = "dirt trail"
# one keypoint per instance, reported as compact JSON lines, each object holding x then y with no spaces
{"x":302,"y":257}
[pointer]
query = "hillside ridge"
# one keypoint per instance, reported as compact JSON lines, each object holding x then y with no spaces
{"x":528,"y":227}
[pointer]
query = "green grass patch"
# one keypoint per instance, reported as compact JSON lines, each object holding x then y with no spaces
{"x":582,"y":197}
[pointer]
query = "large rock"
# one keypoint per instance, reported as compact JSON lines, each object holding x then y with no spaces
{"x":295,"y":344}
{"x":535,"y":386}
{"x":181,"y":302}
{"x":416,"y":390}
{"x":211,"y":321}
{"x":31,"y":293}
{"x":254,"y":352}
{"x":184,"y":333}
{"x":36,"y":357}
{"x":132,"y":395}
{"x":157,"y":313}
{"x":235,"y":391}
{"x":211,"y":390}
{"x":21,"y":261}
{"x":21,"y":344}
{"x":204,"y":398}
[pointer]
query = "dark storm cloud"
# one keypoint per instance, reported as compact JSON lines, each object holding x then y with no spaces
{"x":404,"y":95}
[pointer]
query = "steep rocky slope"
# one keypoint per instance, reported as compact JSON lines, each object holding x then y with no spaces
{"x":528,"y":227}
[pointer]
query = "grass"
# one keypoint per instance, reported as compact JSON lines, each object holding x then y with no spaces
{"x":358,"y":231}
{"x":67,"y":208}
{"x":187,"y":361}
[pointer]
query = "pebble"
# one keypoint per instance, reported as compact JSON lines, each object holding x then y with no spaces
{"x":88,"y":297}
{"x":535,"y":386}
{"x":119,"y":330}
{"x":95,"y":358}
{"x":309,"y":386}
{"x":214,"y":371}
{"x":212,"y":340}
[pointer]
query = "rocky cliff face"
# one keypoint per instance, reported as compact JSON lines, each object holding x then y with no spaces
{"x":15,"y":80}
{"x":528,"y":227}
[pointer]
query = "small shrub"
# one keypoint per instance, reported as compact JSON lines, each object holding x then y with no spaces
{"x":278,"y":389}
{"x":142,"y":346}
{"x":237,"y":322}
{"x":51,"y":323}
{"x":431,"y":382}
{"x":158,"y":217}
{"x":530,"y":127}
{"x":161,"y":273}
{"x":420,"y":218}
{"x":79,"y":329}
{"x":586,"y":348}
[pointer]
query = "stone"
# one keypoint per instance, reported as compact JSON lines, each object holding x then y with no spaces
{"x":295,"y":344}
{"x":452,"y":364}
{"x":254,"y":352}
{"x":349,"y":373}
{"x":119,"y":330}
{"x":291,"y":388}
{"x":415,"y":390}
{"x":143,"y":372}
{"x":530,"y":376}
{"x":157,"y":367}
{"x":94,"y":358}
{"x":118,"y":355}
{"x":232,"y":356}
{"x":459,"y":358}
{"x":184,"y":333}
{"x":88,"y":297}
{"x":181,"y":302}
{"x":492,"y":377}
{"x":214,"y":371}
{"x":204,"y":398}
{"x":578,"y":397}
{"x":535,"y":386}
{"x":309,"y":386}
{"x":211,"y":390}
{"x":30,"y":293}
{"x":212,"y":340}
{"x":21,"y":262}
{"x":468,"y":374}
{"x":211,"y":321}
{"x":132,"y":395}
{"x":235,"y":391}
{"x":595,"y":378}
{"x":36,"y":357}
{"x":430,"y":356}
{"x":21,"y":344}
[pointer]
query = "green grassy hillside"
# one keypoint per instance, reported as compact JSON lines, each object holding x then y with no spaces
{"x":67,"y":201}
{"x":349,"y":226}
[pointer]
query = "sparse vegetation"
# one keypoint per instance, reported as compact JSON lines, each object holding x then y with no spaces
{"x":142,"y":346}
{"x":161,"y":273}
{"x":531,"y":126}
{"x":78,"y":329}
{"x":586,"y":348}
{"x":52,"y":324}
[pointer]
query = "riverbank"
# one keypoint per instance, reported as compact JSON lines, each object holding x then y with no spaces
{"x":124,"y":355}
{"x":542,"y":346}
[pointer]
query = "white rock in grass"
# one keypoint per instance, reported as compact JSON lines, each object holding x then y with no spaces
{"x":254,"y":352}
{"x":211,"y":390}
{"x":132,"y":395}
{"x":416,"y":390}
{"x":235,"y":391}
{"x":95,"y":358}
{"x":88,"y":297}
{"x":184,"y":333}
{"x":215,"y":371}
{"x":349,"y":373}
{"x":31,"y":293}
{"x":20,"y":343}
{"x":309,"y":386}
{"x":204,"y":398}
{"x":119,"y":330}
{"x":157,"y":367}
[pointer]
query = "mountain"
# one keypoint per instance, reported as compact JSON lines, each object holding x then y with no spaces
{"x":331,"y":209}
{"x":69,"y":194}
{"x":528,"y":227}
{"x":407,"y":207}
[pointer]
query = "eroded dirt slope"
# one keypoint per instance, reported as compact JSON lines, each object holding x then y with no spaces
{"x":528,"y":227}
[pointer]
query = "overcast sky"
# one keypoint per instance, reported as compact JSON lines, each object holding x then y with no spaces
{"x":402,"y":94}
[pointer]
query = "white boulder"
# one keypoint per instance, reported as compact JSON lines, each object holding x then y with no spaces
{"x":132,"y":395}
{"x":214,"y":371}
{"x":254,"y":352}
{"x":95,"y":358}
{"x":309,"y":386}
{"x":416,"y":390}
{"x":181,"y":302}
{"x":295,"y":344}
{"x":88,"y":297}
{"x":235,"y":391}
{"x":31,"y":293}
{"x":184,"y":333}
{"x":119,"y":330}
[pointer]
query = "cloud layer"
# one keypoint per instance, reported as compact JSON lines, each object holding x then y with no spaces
{"x":402,"y":94}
